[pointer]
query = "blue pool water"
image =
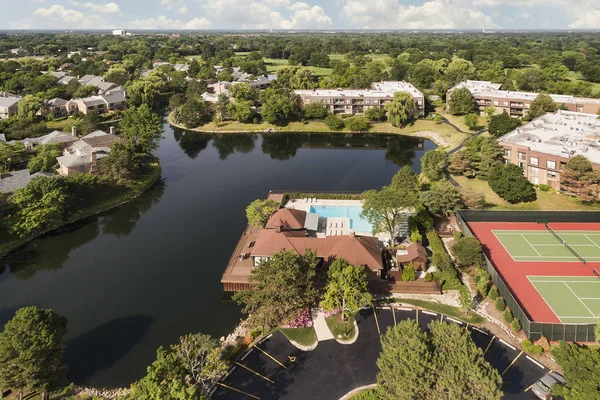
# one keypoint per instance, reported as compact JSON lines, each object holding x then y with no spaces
{"x":356,"y":221}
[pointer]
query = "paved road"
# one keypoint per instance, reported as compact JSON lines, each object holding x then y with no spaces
{"x":281,"y":371}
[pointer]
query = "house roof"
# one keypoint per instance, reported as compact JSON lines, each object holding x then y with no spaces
{"x":414,"y":252}
{"x":93,"y":80}
{"x":287,"y":218}
{"x":56,"y":102}
{"x":8,"y":99}
{"x":74,"y":160}
{"x":14,"y":180}
{"x":65,"y":79}
{"x":357,"y":250}
{"x":52,"y":138}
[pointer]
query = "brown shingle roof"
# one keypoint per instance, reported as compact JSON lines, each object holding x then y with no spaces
{"x":415,"y":252}
{"x":287,"y":219}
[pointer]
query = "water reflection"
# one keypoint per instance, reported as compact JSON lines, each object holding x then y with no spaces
{"x":283,"y":146}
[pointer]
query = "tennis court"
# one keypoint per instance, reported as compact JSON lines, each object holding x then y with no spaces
{"x":574,"y":299}
{"x":550,"y":245}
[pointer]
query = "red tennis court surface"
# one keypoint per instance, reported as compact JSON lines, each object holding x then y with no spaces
{"x":514,"y":273}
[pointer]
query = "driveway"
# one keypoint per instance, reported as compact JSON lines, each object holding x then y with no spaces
{"x":275,"y":369}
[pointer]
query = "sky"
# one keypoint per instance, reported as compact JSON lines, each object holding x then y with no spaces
{"x":305,"y":14}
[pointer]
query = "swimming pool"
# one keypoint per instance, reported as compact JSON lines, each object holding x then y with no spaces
{"x":357,"y":223}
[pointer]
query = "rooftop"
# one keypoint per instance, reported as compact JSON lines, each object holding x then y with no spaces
{"x":379,"y":89}
{"x":563,"y":134}
{"x":8,"y":99}
{"x":14,"y":180}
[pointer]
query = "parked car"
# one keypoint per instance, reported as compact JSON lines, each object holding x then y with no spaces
{"x":542,"y":388}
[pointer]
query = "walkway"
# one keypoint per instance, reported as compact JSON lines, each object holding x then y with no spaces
{"x":323,"y":332}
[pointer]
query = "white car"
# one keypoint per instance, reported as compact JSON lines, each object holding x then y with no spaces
{"x":543,"y":387}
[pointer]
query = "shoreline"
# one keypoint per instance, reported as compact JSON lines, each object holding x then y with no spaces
{"x":135,"y":192}
{"x":379,"y":128}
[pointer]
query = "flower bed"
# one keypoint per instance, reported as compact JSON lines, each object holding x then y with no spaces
{"x":302,"y":320}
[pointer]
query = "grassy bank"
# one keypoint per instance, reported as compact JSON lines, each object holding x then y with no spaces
{"x":545,"y":200}
{"x":450,"y":311}
{"x":105,"y":197}
{"x":303,"y":336}
{"x":442,"y":134}
{"x":341,"y":330}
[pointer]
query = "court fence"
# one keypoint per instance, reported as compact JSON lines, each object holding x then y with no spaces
{"x":533,"y":330}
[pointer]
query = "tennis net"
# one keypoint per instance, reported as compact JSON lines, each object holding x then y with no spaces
{"x":567,"y":245}
{"x":596,"y":272}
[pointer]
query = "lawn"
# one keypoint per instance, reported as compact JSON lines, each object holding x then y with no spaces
{"x":576,"y":76}
{"x":343,"y":331}
{"x":450,"y":311}
{"x":459,"y":121}
{"x":275,"y":64}
{"x":303,"y":336}
{"x":545,"y":200}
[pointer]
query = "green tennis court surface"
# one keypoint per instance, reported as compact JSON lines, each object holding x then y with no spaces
{"x":544,"y":246}
{"x":574,"y":299}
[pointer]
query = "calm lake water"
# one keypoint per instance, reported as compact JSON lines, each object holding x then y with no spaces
{"x":145,"y":274}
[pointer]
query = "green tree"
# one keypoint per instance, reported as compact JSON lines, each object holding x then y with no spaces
{"x":346,"y":288}
{"x":225,"y":76}
{"x":357,"y":124}
{"x":387,"y":209}
{"x":244,"y":92}
{"x":433,"y":163}
{"x":542,"y":104}
{"x":489,"y":157}
{"x":334,"y":122}
{"x":259,"y":211}
{"x":222,"y":106}
{"x":39,"y":205}
{"x":408,"y":273}
{"x":459,"y":70}
{"x":510,"y":184}
{"x":241,"y":110}
{"x":472,"y":121}
{"x":501,"y":124}
{"x":581,"y":369}
{"x":28,"y":107}
{"x":121,"y":166}
{"x":578,"y":178}
{"x":314,"y":111}
{"x":146,"y":90}
{"x":465,"y":299}
{"x":282,"y":286}
{"x":11,"y":154}
{"x":401,"y":109}
{"x":444,"y":363}
{"x":193,"y":113}
{"x":31,"y":351}
{"x":89,"y":123}
{"x":442,"y":198}
{"x":279,"y":105}
{"x":597,"y":330}
{"x":468,"y":252}
{"x":142,"y":127}
{"x":44,"y":159}
{"x":461,"y":102}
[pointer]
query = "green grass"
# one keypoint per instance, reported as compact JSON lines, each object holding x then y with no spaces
{"x":459,"y":121}
{"x":341,"y":330}
{"x":545,"y":200}
{"x":275,"y":64}
{"x":445,"y":309}
{"x":303,"y":336}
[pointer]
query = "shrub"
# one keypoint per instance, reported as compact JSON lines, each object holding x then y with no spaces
{"x":408,"y":273}
{"x":457,"y":235}
{"x":357,"y":124}
{"x":416,"y":237}
{"x":483,"y":283}
{"x":334,"y":123}
{"x":529,"y":347}
{"x":493,"y":293}
{"x":468,"y":251}
{"x":507,"y":315}
{"x":448,"y":276}
{"x":314,"y":111}
{"x":500,"y":304}
{"x":438,"y":119}
{"x":509,"y":183}
{"x":516,"y":325}
{"x":544,"y":188}
{"x":428,"y":277}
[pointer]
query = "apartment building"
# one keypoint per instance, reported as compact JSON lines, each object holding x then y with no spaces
{"x":517,"y":104}
{"x":357,"y":101}
{"x":543,"y":146}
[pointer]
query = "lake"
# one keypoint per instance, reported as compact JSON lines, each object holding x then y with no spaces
{"x":141,"y":276}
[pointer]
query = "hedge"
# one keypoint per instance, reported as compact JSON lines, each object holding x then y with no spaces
{"x":441,"y":259}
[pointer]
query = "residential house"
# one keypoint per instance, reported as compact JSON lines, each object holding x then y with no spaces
{"x":14,"y":180}
{"x":414,"y":253}
{"x":543,"y":146}
{"x":517,"y":104}
{"x":357,"y":101}
{"x":58,"y":107}
{"x":63,"y":139}
{"x":83,"y":155}
{"x":8,"y":105}
{"x":104,"y":103}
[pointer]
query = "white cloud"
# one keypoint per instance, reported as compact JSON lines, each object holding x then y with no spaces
{"x":56,"y":16}
{"x":162,"y":22}
{"x":588,"y":20}
{"x":108,"y":8}
{"x":311,"y":18}
{"x":299,"y":5}
{"x":433,"y":14}
{"x":59,"y":12}
{"x":178,"y":6}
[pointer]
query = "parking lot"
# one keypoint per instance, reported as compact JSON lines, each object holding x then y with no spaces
{"x":275,"y":369}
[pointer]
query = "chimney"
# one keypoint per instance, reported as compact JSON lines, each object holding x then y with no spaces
{"x":74,"y":130}
{"x":278,"y":229}
{"x":112,"y":130}
{"x":93,"y":155}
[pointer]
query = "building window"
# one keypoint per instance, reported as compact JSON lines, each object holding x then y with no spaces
{"x":495,"y":102}
{"x":328,"y":101}
{"x":506,"y":153}
{"x":534,"y":170}
{"x":527,"y":105}
{"x":533,"y":160}
{"x":420,"y":102}
{"x":551,"y":175}
{"x":522,"y":156}
{"x":505,"y":104}
{"x":579,"y":108}
{"x":551,"y":164}
{"x":522,"y":165}
{"x":348,"y":101}
{"x":367,"y":101}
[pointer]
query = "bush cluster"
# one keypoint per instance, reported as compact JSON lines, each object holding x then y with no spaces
{"x":531,"y":348}
{"x":447,"y":274}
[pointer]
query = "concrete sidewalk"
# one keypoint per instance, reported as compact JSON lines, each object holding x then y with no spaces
{"x":323,"y":332}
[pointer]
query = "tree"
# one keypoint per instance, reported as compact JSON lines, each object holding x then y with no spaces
{"x":44,"y":159}
{"x":510,"y":184}
{"x":409,"y":273}
{"x":501,"y":124}
{"x":39,"y":205}
{"x":202,"y":359}
{"x":465,"y":299}
{"x":146,"y":90}
{"x":467,"y":251}
{"x":444,"y":363}
{"x":315,"y":111}
{"x":89,"y":123}
{"x":142,"y":127}
{"x":11,"y":154}
{"x":461,"y":164}
{"x":472,"y":121}
{"x":542,"y":104}
{"x":473,"y":199}
{"x":259,"y":211}
{"x":581,"y":369}
{"x":241,"y":110}
{"x":244,"y":92}
{"x":121,"y":166}
{"x":375,"y":114}
{"x":459,"y":70}
{"x":387,"y":209}
{"x":357,"y":124}
{"x":346,"y":288}
{"x":222,"y":106}
{"x":31,"y":351}
{"x":279,"y":105}
{"x":28,"y":107}
{"x":193,"y":113}
{"x":401,"y":109}
{"x":282,"y":286}
{"x":442,"y":198}
{"x":334,"y":123}
{"x":433,"y":163}
{"x":461,"y":102}
{"x":579,"y":179}
{"x":597,"y":330}
{"x":176,"y":100}
{"x":225,"y":76}
{"x":489,"y":157}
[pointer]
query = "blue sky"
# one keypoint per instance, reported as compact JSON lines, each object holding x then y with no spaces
{"x":305,"y":14}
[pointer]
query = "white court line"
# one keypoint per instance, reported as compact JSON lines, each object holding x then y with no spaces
{"x":570,"y":316}
{"x":535,"y":362}
{"x":247,"y":353}
{"x":562,"y":281}
{"x":404,"y":309}
{"x":429,"y":312}
{"x":481,"y":331}
{"x":572,"y":245}
{"x":530,"y":245}
{"x":504,"y":247}
{"x":575,"y":294}
{"x":507,"y":344}
{"x":589,"y":298}
{"x":455,"y":320}
{"x":586,"y":236}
